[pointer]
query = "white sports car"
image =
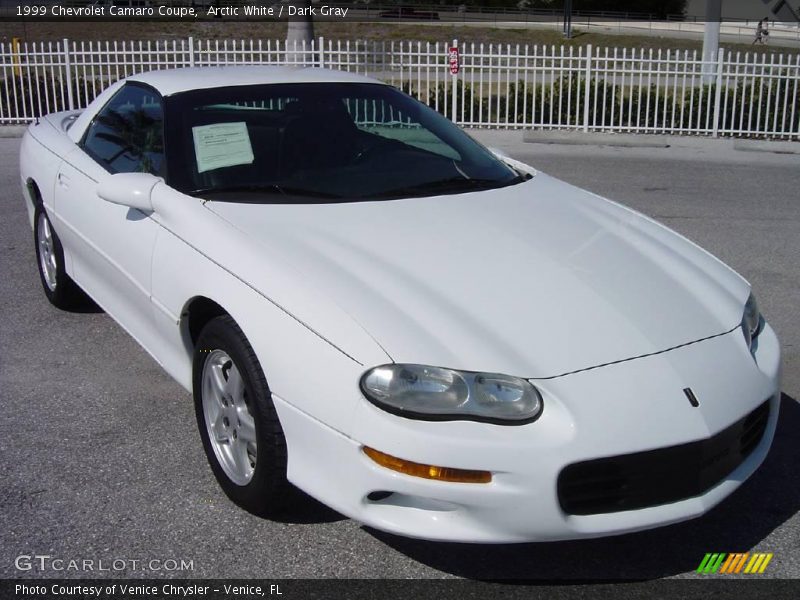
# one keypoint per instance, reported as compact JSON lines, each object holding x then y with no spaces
{"x":429,"y":337}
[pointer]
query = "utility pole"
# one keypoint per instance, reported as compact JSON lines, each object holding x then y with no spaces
{"x":568,"y":19}
{"x":299,"y":32}
{"x":711,"y":39}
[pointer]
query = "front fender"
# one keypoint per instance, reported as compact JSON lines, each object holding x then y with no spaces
{"x":305,"y":356}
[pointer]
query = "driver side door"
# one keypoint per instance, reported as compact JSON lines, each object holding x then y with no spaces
{"x":111,"y":246}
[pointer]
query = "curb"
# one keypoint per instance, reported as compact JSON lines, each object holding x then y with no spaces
{"x":641,"y":140}
{"x":12,"y":131}
{"x":767,"y":146}
{"x":571,"y":138}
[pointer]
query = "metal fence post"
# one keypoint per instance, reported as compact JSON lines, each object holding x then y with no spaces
{"x":320,"y":51}
{"x":68,"y":72}
{"x":718,"y":91}
{"x":587,"y":78}
{"x":191,"y":51}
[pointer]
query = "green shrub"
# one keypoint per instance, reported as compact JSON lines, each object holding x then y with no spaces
{"x":756,"y":105}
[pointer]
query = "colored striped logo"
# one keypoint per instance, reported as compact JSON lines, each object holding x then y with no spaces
{"x":737,"y":562}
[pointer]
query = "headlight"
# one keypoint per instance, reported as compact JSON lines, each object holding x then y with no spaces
{"x":751,"y":321}
{"x":434,"y":393}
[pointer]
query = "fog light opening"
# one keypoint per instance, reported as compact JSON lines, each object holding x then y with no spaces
{"x":378,"y":495}
{"x":423,"y":471}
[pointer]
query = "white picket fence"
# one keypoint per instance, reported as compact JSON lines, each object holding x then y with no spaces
{"x":497,"y":85}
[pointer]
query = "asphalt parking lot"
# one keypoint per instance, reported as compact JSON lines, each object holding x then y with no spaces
{"x":100,"y":456}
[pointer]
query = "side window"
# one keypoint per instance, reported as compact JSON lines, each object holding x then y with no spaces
{"x":127,"y":135}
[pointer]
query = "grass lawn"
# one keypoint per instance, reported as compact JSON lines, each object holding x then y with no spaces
{"x":154,"y":30}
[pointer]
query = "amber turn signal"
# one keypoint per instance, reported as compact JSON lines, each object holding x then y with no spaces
{"x":427,"y":471}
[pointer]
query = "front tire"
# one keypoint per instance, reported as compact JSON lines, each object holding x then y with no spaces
{"x":239,"y":427}
{"x":59,"y":288}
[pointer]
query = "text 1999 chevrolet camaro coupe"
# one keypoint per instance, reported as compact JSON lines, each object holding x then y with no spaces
{"x":431,"y":338}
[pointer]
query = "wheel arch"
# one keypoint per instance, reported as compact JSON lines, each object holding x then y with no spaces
{"x":196,"y":313}
{"x":34,"y":193}
{"x":33,"y":198}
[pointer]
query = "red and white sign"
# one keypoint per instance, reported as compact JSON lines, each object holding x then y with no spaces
{"x":454,"y":60}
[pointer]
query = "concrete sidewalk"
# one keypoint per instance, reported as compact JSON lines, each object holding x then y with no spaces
{"x":634,"y":140}
{"x":12,"y":131}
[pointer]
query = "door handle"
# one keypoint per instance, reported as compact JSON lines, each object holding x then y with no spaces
{"x":63,"y":180}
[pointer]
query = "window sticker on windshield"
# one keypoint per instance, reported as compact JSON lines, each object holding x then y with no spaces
{"x":222,"y":145}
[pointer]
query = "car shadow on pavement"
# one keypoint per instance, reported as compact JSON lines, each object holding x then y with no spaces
{"x":302,"y":509}
{"x":83,"y":305}
{"x":769,"y":498}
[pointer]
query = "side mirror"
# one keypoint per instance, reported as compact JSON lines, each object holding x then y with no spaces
{"x":129,"y":189}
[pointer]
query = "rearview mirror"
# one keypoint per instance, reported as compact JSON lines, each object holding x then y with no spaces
{"x":129,"y":189}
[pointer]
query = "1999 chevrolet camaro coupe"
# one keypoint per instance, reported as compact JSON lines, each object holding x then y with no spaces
{"x":425,"y":335}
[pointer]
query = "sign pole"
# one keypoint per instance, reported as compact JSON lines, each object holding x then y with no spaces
{"x":454,"y":67}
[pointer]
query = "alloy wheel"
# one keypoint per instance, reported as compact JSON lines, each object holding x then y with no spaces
{"x":229,"y":422}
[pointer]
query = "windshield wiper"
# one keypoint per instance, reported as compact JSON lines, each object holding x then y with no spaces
{"x":455,"y":184}
{"x":271,"y":188}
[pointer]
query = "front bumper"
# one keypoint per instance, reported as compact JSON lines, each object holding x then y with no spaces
{"x":615,"y":410}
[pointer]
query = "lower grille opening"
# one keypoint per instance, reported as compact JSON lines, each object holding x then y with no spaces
{"x":654,"y":477}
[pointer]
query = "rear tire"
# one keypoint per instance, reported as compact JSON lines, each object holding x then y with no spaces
{"x":59,"y":288}
{"x":239,"y":427}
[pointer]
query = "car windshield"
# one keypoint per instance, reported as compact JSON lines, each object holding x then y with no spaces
{"x":320,"y":142}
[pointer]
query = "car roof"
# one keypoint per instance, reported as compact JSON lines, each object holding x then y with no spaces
{"x":175,"y":81}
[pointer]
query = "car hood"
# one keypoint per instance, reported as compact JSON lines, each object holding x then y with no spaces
{"x":536,"y":280}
